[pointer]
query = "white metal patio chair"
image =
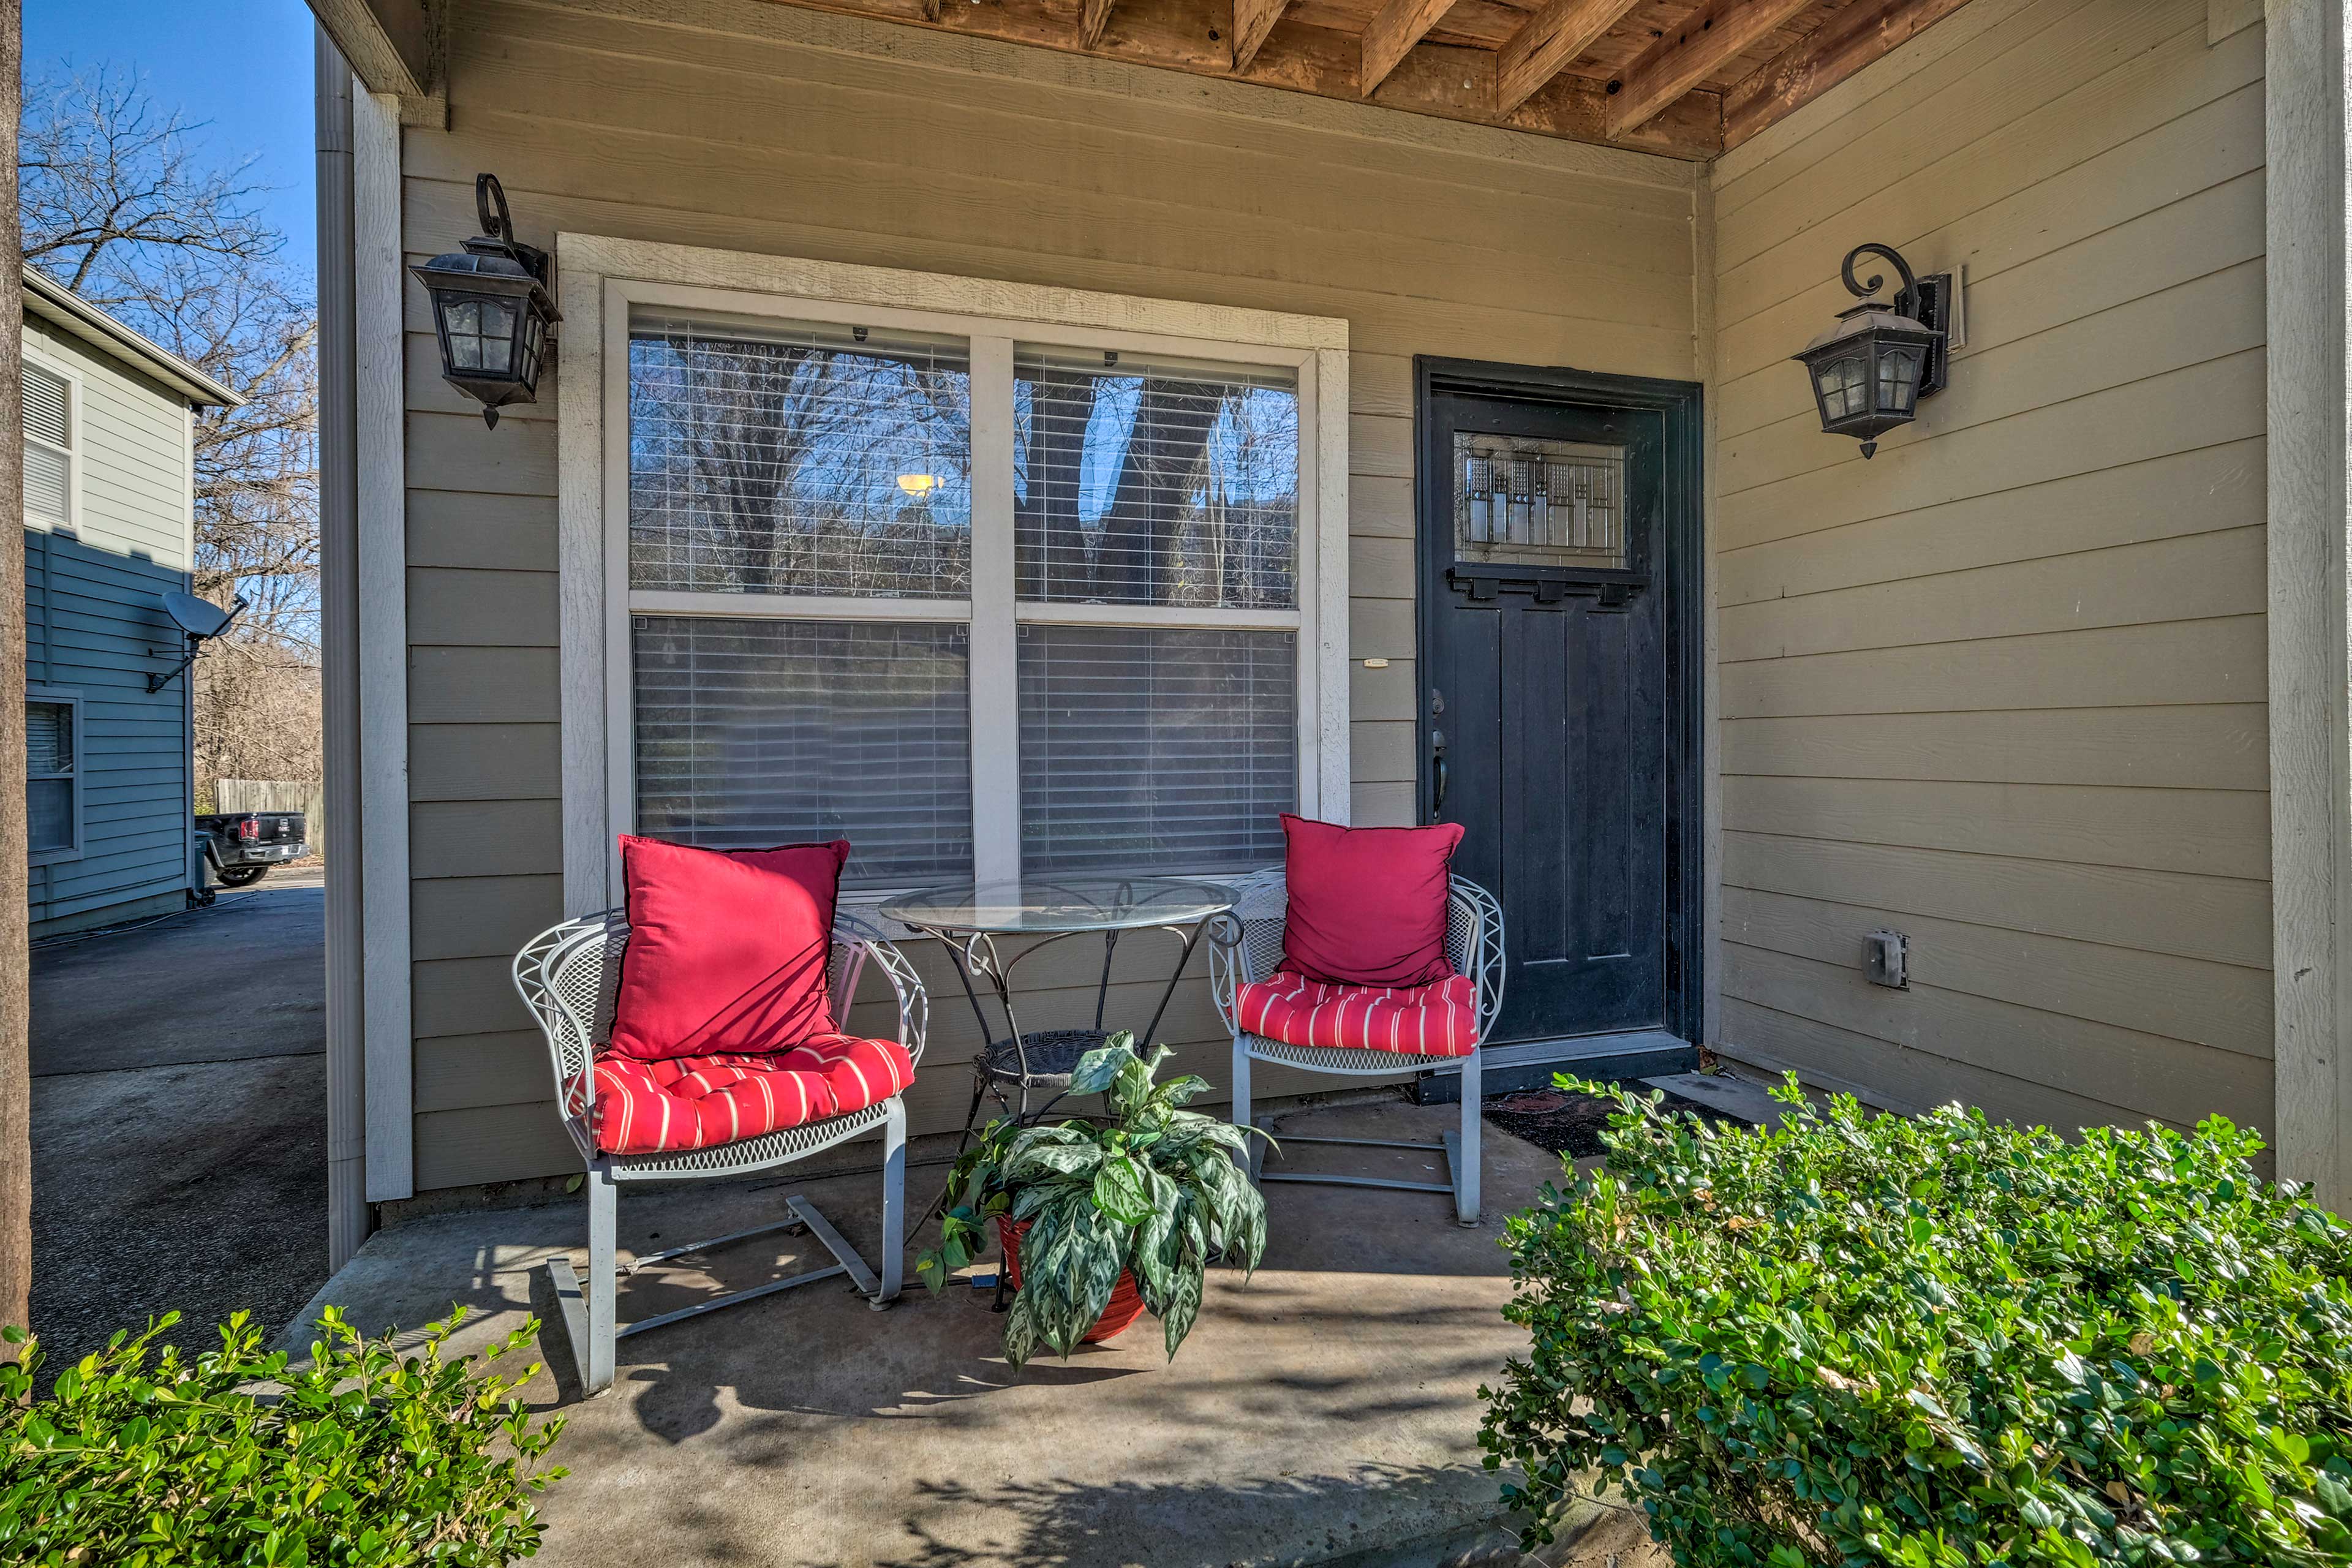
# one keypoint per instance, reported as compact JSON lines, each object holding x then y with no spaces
{"x":1247,"y":947}
{"x":570,"y":976}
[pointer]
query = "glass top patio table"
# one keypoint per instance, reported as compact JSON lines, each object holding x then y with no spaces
{"x":969,"y":919}
{"x":1060,"y":906}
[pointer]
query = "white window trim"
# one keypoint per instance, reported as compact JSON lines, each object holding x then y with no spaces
{"x":73,"y":703}
{"x":70,"y":374}
{"x":600,"y":279}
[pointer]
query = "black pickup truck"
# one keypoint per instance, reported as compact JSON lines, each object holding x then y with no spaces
{"x":241,"y":846}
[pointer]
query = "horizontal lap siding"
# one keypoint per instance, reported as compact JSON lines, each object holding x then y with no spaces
{"x":742,"y":133}
{"x":95,"y":629}
{"x":2002,"y":688}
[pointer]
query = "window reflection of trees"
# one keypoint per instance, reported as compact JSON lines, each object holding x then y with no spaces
{"x":773,"y":466}
{"x":1143,"y":487}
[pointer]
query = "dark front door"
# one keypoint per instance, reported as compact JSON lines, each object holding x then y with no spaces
{"x":1545,"y":702}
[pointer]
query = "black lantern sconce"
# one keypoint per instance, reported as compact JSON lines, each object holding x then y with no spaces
{"x":491,"y":308}
{"x":1870,"y":370}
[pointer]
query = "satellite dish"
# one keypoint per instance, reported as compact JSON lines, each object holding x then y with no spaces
{"x":197,"y":617}
{"x":200,"y":619}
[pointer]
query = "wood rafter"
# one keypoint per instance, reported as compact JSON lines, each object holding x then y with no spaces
{"x":1706,"y":40}
{"x":1550,"y":39}
{"x":388,"y":43}
{"x":1198,"y":36}
{"x":1094,"y":16}
{"x":1253,"y":20}
{"x":1842,"y":46}
{"x":1394,"y":31}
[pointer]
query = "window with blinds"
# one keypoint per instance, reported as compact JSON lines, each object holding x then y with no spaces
{"x":48,"y":446}
{"x":52,"y":806}
{"x":1156,"y":750}
{"x":1147,"y":480}
{"x":804,"y":512}
{"x":758,"y":732}
{"x":799,"y":457}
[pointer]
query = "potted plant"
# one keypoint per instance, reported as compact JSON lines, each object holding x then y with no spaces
{"x":1111,"y":1216}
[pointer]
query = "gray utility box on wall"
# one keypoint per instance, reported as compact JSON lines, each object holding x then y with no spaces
{"x":1887,"y":959}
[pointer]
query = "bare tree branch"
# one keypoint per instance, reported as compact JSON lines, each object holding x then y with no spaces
{"x":118,"y":204}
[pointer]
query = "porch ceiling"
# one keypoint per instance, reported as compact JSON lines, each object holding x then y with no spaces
{"x":1689,"y":79}
{"x":1686,"y":77}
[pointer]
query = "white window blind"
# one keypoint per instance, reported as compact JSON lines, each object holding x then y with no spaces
{"x":803,"y":498}
{"x":758,"y":732}
{"x":1149,"y":479}
{"x":799,"y":457}
{"x":48,"y":446}
{"x":50,"y":779}
{"x":1161,"y":750}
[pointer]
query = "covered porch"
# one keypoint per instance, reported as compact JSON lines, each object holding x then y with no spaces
{"x":1942,"y":768}
{"x":1324,"y":1412}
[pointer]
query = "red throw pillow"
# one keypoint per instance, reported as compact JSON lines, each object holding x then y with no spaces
{"x":727,"y":948}
{"x":1367,"y":904}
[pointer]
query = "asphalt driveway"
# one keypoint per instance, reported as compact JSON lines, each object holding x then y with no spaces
{"x":179,"y":1119}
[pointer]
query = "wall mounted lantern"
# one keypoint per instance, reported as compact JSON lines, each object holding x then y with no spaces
{"x":1870,"y":370}
{"x":491,"y":308}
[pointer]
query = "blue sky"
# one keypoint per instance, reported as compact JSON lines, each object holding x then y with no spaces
{"x":244,"y":65}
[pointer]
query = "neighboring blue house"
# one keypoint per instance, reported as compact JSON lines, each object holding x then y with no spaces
{"x":110,"y":529}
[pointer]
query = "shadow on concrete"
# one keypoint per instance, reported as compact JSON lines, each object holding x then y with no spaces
{"x":1067,"y":1524}
{"x":1323,"y":1410}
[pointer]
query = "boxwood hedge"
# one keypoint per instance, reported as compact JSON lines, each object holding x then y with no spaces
{"x":1933,"y":1341}
{"x":364,"y":1457}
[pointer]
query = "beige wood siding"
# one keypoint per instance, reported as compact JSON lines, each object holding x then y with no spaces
{"x":2002,"y":688}
{"x":768,"y":129}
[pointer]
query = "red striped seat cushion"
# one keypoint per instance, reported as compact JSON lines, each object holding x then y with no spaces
{"x":1440,"y":1019}
{"x":698,"y":1102}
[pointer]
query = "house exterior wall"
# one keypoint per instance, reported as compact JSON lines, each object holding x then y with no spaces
{"x":2003,"y":688}
{"x":776,"y":131}
{"x":95,"y":629}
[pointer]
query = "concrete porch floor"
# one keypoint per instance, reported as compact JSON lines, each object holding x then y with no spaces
{"x":1326,"y":1411}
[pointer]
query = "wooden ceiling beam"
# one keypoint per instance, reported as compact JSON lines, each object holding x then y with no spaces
{"x":1817,"y":62}
{"x":1437,"y":79}
{"x":1253,"y":20}
{"x":1547,"y":41}
{"x":1708,"y":39}
{"x":1395,"y":28}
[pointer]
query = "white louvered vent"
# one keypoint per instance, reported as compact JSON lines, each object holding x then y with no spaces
{"x":48,"y":446}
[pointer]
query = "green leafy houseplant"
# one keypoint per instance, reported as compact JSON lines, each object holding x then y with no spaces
{"x":1153,"y":1189}
{"x":1932,"y":1343}
{"x":363,"y":1458}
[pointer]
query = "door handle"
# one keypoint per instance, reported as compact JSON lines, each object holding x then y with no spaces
{"x":1437,"y":772}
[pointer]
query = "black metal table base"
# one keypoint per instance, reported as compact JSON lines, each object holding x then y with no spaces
{"x":1016,"y":1065}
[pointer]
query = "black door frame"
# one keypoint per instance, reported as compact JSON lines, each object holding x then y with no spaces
{"x":1679,"y":579}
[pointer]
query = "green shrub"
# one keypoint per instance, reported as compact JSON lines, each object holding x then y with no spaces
{"x":1147,"y":1189}
{"x":364,"y":1457}
{"x":1931,"y":1341}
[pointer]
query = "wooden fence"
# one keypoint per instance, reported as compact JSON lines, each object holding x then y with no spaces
{"x":305,"y":796}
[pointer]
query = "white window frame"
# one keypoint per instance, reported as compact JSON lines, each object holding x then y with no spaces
{"x":72,"y":702}
{"x":600,"y":280}
{"x":71,"y":375}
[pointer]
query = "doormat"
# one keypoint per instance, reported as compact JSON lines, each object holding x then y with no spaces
{"x":1571,"y":1124}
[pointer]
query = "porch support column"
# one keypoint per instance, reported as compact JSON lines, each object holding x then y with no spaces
{"x":347,"y":1206}
{"x":2310,"y":530}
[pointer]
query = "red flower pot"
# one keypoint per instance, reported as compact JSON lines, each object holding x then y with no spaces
{"x":1126,"y":1302}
